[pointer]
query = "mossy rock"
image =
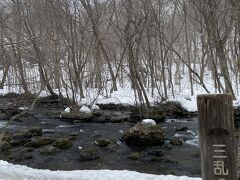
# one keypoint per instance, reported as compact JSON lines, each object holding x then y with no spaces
{"x":144,"y":135}
{"x":35,"y":131}
{"x":176,"y":141}
{"x":48,"y":150}
{"x":88,"y":155}
{"x":28,"y":134}
{"x":112,"y":147}
{"x":136,"y":156}
{"x":76,"y":115}
{"x":4,"y":146}
{"x":39,"y":142}
{"x":6,"y":137}
{"x":22,"y":135}
{"x":19,"y":142}
{"x":63,"y":143}
{"x":102,"y":142}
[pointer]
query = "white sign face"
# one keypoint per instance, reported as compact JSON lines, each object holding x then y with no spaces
{"x":219,"y":154}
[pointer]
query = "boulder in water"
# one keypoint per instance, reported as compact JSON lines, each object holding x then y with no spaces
{"x":48,"y":150}
{"x":63,"y":143}
{"x":102,"y":142}
{"x":176,"y":141}
{"x":38,"y":142}
{"x":76,"y":115}
{"x":4,"y":146}
{"x":142,"y":134}
{"x":88,"y":155}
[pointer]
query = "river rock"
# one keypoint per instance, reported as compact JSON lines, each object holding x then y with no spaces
{"x":48,"y":150}
{"x":19,"y":142}
{"x":63,"y":143}
{"x":4,"y":146}
{"x":6,"y":137}
{"x":35,"y":131}
{"x":88,"y":155}
{"x":144,"y":135}
{"x":102,"y":142}
{"x":38,"y":142}
{"x":28,"y":134}
{"x":176,"y":141}
{"x":76,"y":115}
{"x":22,"y":135}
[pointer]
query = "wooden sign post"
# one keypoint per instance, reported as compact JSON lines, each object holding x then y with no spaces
{"x":217,"y":138}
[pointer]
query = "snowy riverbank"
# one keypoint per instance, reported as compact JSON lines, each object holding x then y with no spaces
{"x":17,"y":172}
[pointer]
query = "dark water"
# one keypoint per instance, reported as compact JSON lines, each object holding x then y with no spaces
{"x":179,"y":160}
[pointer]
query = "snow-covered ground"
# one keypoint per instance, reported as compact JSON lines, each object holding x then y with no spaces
{"x":17,"y":172}
{"x":125,"y":95}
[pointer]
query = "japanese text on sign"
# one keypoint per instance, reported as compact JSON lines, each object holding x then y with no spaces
{"x":218,"y":160}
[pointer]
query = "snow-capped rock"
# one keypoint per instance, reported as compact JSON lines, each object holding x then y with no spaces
{"x":95,"y":107}
{"x":23,"y":108}
{"x":144,"y":135}
{"x":85,"y":109}
{"x":67,"y":110}
{"x":149,"y":122}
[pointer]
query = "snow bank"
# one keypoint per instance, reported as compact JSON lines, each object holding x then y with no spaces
{"x":17,"y":172}
{"x":188,"y":102}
